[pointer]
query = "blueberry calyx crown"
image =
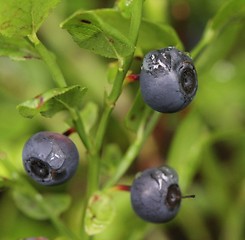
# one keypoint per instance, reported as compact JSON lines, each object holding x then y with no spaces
{"x":39,"y":167}
{"x":173,"y":197}
{"x":188,"y":79}
{"x":165,"y":176}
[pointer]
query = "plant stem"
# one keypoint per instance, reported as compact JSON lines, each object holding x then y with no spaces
{"x":208,"y":36}
{"x":136,"y":15}
{"x":110,"y":101}
{"x":92,"y":186}
{"x":79,"y":126}
{"x":142,"y":134}
{"x":49,"y":58}
{"x":124,"y":65}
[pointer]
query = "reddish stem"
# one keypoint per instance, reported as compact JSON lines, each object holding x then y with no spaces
{"x":122,"y":188}
{"x":41,"y":101}
{"x":132,"y":78}
{"x":69,"y":132}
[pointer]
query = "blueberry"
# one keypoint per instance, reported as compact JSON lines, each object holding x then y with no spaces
{"x":155,"y":194}
{"x":50,"y":158}
{"x":168,"y":80}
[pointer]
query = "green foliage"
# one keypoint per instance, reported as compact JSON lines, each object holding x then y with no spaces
{"x":99,"y":213}
{"x":157,"y":36}
{"x":192,"y":135}
{"x":16,"y":48}
{"x":53,"y":101}
{"x":57,"y":202}
{"x":125,"y":7}
{"x":136,"y":113}
{"x":119,"y":136}
{"x":231,"y":13}
{"x":104,"y":32}
{"x":110,"y":160}
{"x":89,"y":114}
{"x":92,"y":30}
{"x":23,"y":18}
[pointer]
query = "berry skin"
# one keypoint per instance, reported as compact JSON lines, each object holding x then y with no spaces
{"x":50,"y":158}
{"x":155,"y":194}
{"x":168,"y":80}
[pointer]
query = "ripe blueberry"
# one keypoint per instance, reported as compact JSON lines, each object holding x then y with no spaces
{"x":168,"y":80}
{"x":50,"y":158}
{"x":155,"y":194}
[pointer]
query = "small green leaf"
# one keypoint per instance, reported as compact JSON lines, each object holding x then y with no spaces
{"x":156,"y":36}
{"x":53,"y":101}
{"x":17,"y":48}
{"x":93,"y":30}
{"x":186,"y":148}
{"x":219,"y":49}
{"x":30,"y":206}
{"x":89,"y":115}
{"x":230,"y":11}
{"x":151,"y":35}
{"x":99,"y":213}
{"x":135,"y":114}
{"x":230,"y":14}
{"x":125,"y":7}
{"x":104,"y":32}
{"x":226,"y":78}
{"x":111,"y":158}
{"x":6,"y":168}
{"x":19,"y":18}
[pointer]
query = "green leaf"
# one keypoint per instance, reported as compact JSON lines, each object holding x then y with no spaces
{"x":7,"y":170}
{"x":156,"y":36}
{"x":93,"y":30}
{"x":226,"y":78}
{"x":111,"y":158}
{"x":89,"y":115}
{"x":125,"y":7}
{"x":99,"y":213}
{"x":17,"y":48}
{"x":53,"y":101}
{"x":219,"y":49}
{"x":104,"y":32}
{"x":135,"y":114}
{"x":30,"y":206}
{"x":19,"y":18}
{"x":231,"y":13}
{"x":187,"y":147}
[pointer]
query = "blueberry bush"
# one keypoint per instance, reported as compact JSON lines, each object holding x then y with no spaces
{"x":72,"y":68}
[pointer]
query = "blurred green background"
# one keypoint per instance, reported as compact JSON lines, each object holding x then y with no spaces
{"x":209,"y":134}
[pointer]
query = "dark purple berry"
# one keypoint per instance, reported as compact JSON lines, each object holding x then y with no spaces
{"x":50,"y":158}
{"x":155,"y":194}
{"x":168,"y":80}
